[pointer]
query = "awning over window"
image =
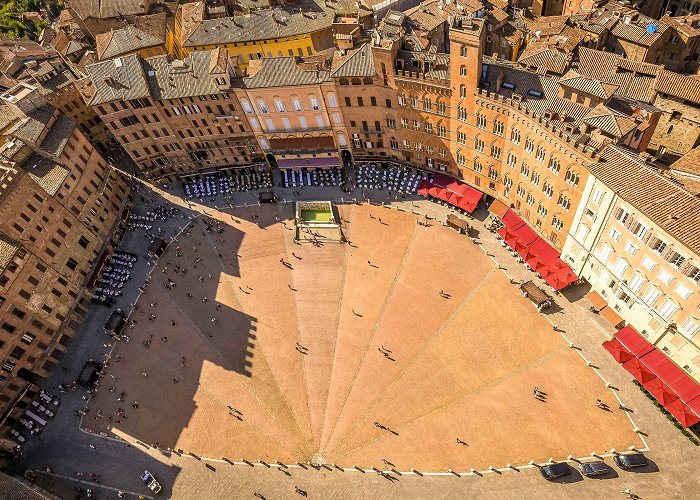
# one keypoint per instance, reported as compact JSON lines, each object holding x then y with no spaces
{"x":498,"y":208}
{"x":328,"y":161}
{"x":597,"y":301}
{"x":453,"y":192}
{"x":542,"y":257}
{"x":613,"y":318}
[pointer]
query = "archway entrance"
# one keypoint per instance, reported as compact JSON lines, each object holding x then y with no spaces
{"x":271,"y":160}
{"x":346,"y":156}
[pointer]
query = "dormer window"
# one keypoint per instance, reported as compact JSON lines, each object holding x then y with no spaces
{"x":508,"y":85}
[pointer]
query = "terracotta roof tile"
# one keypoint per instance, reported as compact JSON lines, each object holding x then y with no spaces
{"x":664,"y":202}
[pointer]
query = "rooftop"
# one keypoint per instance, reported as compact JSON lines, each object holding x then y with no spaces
{"x":170,"y":78}
{"x":663,"y":201}
{"x":278,"y":22}
{"x":49,"y":175}
{"x":282,"y":72}
{"x":103,"y":9}
{"x":358,"y":63}
{"x":129,"y":39}
{"x":121,"y":78}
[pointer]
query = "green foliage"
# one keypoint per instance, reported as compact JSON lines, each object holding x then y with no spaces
{"x":11,"y":22}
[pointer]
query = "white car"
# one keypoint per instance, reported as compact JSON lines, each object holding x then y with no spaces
{"x":151,"y":482}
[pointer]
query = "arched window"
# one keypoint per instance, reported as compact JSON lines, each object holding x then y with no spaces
{"x":344,"y":81}
{"x":262,"y":105}
{"x":296,"y":104}
{"x":313,"y":102}
{"x":331,"y":100}
{"x":463,"y":70}
{"x":356,"y":81}
{"x":462,"y":91}
{"x":463,"y":51}
{"x":279,"y":104}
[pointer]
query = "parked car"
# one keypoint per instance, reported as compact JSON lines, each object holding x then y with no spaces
{"x":151,"y":482}
{"x":555,"y":470}
{"x":629,"y":460}
{"x":594,"y":468}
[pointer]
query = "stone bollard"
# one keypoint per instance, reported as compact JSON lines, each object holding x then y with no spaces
{"x":247,"y":462}
{"x":633,"y":447}
{"x":416,"y":472}
{"x":613,"y":451}
{"x":280,"y":464}
{"x":263,"y":463}
{"x":453,"y":473}
{"x":570,"y":457}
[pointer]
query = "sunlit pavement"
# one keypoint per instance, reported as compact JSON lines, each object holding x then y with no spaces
{"x":66,"y":449}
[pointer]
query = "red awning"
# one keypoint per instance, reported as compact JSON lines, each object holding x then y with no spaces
{"x":512,"y":221}
{"x":544,"y":250}
{"x":638,"y":370}
{"x":423,"y":188}
{"x":329,"y":161}
{"x":442,"y":180}
{"x":455,"y":193}
{"x":526,"y":234}
{"x":694,"y":404}
{"x":660,"y":391}
{"x":682,"y":413}
{"x":673,"y":376}
{"x":634,"y":342}
{"x":618,"y":351}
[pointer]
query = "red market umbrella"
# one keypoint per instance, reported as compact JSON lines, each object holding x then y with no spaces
{"x":618,"y":351}
{"x":660,"y":391}
{"x":638,"y":370}
{"x":682,"y":413}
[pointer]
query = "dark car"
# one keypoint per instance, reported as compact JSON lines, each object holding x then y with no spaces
{"x":116,"y":322}
{"x":555,"y":470}
{"x":629,"y":460}
{"x":89,"y":374}
{"x":594,"y":468}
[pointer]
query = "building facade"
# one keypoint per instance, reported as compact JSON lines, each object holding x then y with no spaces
{"x":60,"y":204}
{"x":635,"y":240}
{"x":174,"y":116}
